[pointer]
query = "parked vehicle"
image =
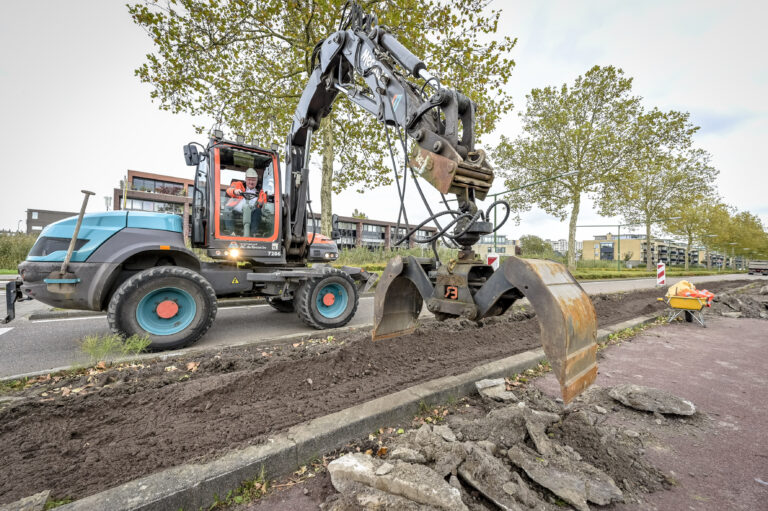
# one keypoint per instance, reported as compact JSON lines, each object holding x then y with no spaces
{"x":759,"y":267}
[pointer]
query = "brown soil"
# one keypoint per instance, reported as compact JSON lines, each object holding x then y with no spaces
{"x":121,"y":423}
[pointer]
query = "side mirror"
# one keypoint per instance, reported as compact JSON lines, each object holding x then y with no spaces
{"x":191,"y":156}
{"x":335,"y":234}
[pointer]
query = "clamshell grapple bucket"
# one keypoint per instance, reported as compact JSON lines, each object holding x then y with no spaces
{"x":473,"y":290}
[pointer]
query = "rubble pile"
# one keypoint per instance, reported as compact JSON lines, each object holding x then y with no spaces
{"x":748,"y":303}
{"x":527,"y":452}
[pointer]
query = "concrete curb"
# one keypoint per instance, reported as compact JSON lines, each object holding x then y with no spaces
{"x":193,"y":486}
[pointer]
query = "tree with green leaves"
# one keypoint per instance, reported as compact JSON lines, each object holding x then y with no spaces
{"x":740,"y":231}
{"x":241,"y":65}
{"x":583,"y":129}
{"x":663,"y":167}
{"x":531,"y":245}
{"x":689,"y":218}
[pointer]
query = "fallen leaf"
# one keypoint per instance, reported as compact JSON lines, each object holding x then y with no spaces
{"x":400,"y":431}
{"x":77,"y":390}
{"x":369,"y":452}
{"x":65,"y":391}
{"x":192,"y":366}
{"x":44,"y":394}
{"x":264,"y":354}
{"x":102,"y":365}
{"x":170,"y":369}
{"x":296,"y":344}
{"x":382,"y":451}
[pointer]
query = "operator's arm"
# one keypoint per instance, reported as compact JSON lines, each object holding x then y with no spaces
{"x":235,"y":188}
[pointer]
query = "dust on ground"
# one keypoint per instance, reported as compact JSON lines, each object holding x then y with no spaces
{"x":82,"y":434}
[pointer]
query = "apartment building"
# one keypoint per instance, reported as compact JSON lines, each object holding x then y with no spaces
{"x":39,"y":218}
{"x":561,"y":246}
{"x":504,"y":245}
{"x":369,"y":233}
{"x":634,"y":249}
{"x":144,"y":191}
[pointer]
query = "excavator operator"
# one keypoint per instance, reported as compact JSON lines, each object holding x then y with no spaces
{"x":254,"y":184}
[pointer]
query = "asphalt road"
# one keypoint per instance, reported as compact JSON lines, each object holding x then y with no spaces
{"x":41,"y":345}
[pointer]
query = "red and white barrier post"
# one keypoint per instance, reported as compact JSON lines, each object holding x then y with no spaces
{"x":493,"y":260}
{"x":661,"y":271}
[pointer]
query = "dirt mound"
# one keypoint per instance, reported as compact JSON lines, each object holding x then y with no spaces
{"x":82,"y":434}
{"x":749,"y":302}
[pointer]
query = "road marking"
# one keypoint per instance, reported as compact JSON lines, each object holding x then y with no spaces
{"x":5,"y":330}
{"x":66,"y":319}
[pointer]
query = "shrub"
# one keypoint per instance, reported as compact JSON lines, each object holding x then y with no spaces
{"x":14,"y":249}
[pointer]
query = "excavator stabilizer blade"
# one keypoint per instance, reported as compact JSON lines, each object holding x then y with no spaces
{"x":397,"y":302}
{"x":566,"y":317}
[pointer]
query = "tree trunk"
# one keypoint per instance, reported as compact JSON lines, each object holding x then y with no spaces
{"x":572,"y":233}
{"x":687,"y":250}
{"x":326,"y":187}
{"x":649,"y":245}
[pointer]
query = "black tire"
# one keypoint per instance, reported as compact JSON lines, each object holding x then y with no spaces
{"x":198,"y":306}
{"x":281,"y":305}
{"x":306,"y":300}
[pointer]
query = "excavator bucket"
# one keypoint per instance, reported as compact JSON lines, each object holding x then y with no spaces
{"x":399,"y":298}
{"x":567,"y":318}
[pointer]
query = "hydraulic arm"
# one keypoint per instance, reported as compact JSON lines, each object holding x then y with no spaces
{"x":366,"y":63}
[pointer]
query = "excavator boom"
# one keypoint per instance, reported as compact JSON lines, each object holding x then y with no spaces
{"x":367,"y":64}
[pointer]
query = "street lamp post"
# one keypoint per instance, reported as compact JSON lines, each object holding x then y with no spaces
{"x":732,"y":244}
{"x":706,"y":245}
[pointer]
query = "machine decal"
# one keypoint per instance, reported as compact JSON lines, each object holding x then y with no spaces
{"x":235,"y":281}
{"x":396,"y":101}
{"x":452,"y":292}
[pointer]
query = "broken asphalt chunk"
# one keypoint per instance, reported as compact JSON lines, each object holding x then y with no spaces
{"x":417,"y":483}
{"x":651,"y":400}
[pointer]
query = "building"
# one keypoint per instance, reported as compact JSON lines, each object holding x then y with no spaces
{"x":634,"y":251}
{"x":372,"y":234}
{"x":503,"y":244}
{"x":37,"y":219}
{"x":145,"y":191}
{"x":561,"y":246}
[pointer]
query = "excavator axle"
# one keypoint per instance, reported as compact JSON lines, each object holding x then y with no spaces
{"x":473,"y":290}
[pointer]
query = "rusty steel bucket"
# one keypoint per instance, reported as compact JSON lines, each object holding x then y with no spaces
{"x":567,"y":318}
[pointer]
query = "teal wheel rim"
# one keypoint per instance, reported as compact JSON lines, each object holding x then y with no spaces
{"x":157,"y":323}
{"x":332,"y":300}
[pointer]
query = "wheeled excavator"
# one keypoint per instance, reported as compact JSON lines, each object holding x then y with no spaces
{"x":135,"y":265}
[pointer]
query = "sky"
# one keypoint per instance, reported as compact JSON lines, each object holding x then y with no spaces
{"x":75,"y":117}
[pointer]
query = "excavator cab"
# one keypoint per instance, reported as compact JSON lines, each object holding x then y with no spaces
{"x":247,"y":225}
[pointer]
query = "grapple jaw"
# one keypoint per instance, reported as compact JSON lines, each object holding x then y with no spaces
{"x":567,"y":318}
{"x":398,"y":299}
